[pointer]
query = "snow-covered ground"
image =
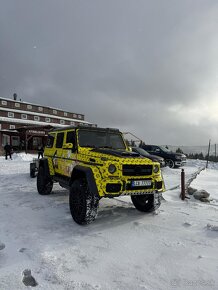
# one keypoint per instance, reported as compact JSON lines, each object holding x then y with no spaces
{"x":175,"y":248}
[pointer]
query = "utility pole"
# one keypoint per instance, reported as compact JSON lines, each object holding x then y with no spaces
{"x":208,"y":153}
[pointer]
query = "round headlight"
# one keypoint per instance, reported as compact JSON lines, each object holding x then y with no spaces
{"x":155,"y":168}
{"x":112,"y":168}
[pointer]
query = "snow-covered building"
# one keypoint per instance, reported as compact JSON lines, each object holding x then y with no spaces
{"x":25,"y":125}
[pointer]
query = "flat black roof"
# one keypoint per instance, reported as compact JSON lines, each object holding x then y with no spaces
{"x":37,"y":127}
{"x":89,"y":128}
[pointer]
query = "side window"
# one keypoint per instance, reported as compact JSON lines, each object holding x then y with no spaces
{"x":156,"y":149}
{"x":59,"y":141}
{"x":148,"y":148}
{"x":70,"y":137}
{"x":50,"y":141}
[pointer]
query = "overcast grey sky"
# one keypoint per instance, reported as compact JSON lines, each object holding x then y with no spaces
{"x":149,"y":67}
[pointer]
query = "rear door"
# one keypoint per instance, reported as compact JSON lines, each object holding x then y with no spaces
{"x":58,"y":163}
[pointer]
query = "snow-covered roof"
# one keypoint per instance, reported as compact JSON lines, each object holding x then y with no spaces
{"x":39,"y":105}
{"x":32,"y":122}
{"x":42,"y":115}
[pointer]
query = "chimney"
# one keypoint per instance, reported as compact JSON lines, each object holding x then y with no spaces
{"x":15,"y":97}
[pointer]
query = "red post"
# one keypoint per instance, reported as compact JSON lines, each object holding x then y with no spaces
{"x":183,"y":184}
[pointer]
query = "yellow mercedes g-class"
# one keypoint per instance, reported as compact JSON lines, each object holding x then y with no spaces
{"x":94,"y":163}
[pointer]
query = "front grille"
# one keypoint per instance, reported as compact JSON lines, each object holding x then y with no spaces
{"x":137,"y":170}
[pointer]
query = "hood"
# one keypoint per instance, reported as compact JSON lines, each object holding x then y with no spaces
{"x":117,"y":153}
{"x":156,"y":157}
{"x":180,"y":154}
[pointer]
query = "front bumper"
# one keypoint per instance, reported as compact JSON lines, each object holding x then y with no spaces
{"x":113,"y":188}
{"x":180,"y":162}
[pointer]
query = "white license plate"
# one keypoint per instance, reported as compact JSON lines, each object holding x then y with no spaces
{"x":136,"y":183}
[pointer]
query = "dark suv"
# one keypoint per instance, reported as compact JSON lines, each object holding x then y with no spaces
{"x":172,"y":159}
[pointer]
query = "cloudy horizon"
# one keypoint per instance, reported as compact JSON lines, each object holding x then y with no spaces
{"x":146,"y":67}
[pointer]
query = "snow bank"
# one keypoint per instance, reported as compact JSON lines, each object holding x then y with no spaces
{"x":19,"y":157}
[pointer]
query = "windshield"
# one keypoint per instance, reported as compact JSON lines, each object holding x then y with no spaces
{"x":140,"y":151}
{"x":100,"y":139}
{"x":165,"y":149}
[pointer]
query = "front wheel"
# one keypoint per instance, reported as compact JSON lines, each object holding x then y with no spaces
{"x":170,"y":163}
{"x":44,"y":183}
{"x":146,"y":202}
{"x":83,"y":203}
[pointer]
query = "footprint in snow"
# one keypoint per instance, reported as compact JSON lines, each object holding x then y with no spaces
{"x":22,"y":250}
{"x":28,"y":279}
{"x":184,"y":212}
{"x":187,"y":224}
{"x":212,"y":227}
{"x":2,"y":246}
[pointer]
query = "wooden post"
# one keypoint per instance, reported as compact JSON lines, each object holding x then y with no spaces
{"x":208,"y":154}
{"x":183,"y":184}
{"x":26,"y":142}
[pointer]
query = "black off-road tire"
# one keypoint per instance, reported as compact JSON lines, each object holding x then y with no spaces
{"x":170,"y":163}
{"x":44,"y":183}
{"x":83,"y":204}
{"x":146,"y":202}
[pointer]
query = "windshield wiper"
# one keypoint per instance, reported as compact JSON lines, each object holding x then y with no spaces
{"x":109,"y":147}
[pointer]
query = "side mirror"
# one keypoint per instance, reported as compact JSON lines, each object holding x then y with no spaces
{"x":68,"y":146}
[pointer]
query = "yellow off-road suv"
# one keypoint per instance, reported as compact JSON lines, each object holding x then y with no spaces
{"x":94,"y":163}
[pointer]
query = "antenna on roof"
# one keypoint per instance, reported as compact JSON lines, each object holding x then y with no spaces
{"x":15,"y":97}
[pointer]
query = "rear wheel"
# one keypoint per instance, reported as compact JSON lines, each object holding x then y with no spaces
{"x":170,"y":163}
{"x":83,"y":203}
{"x":146,"y":202}
{"x":32,"y":173}
{"x":44,"y":183}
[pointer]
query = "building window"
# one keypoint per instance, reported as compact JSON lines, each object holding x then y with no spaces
{"x":55,"y":112}
{"x":29,"y":107}
{"x":65,"y":114}
{"x":15,"y":140}
{"x":36,"y":118}
{"x":75,"y":115}
{"x":72,"y":123}
{"x":62,"y":122}
{"x":79,"y":116}
{"x":24,"y":116}
{"x":40,"y":109}
{"x":12,"y":127}
{"x":47,"y":120}
{"x":5,"y":140}
{"x":10,"y":115}
{"x":17,"y":105}
{"x":4,"y":103}
{"x":37,"y":141}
